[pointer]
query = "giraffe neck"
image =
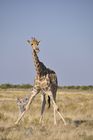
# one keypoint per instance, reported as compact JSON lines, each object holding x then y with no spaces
{"x":36,"y":63}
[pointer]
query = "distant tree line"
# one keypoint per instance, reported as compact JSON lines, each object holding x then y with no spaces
{"x":27,"y":86}
{"x":23,"y":86}
{"x":89,"y":87}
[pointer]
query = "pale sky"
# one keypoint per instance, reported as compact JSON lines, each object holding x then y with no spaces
{"x":65,"y":28}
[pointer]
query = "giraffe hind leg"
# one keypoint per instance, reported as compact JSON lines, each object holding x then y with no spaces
{"x":48,"y":100}
{"x":43,"y":107}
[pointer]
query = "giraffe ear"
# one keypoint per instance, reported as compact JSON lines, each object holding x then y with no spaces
{"x":28,"y":41}
{"x":38,"y":41}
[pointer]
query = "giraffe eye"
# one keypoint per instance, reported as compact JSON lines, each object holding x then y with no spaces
{"x":31,"y":44}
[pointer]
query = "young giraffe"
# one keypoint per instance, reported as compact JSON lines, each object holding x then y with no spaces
{"x":46,"y":80}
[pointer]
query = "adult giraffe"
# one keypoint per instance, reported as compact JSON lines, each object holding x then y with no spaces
{"x":45,"y":80}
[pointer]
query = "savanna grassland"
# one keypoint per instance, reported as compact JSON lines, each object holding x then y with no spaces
{"x":76,"y":105}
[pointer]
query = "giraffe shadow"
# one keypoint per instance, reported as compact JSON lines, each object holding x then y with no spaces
{"x":78,"y":122}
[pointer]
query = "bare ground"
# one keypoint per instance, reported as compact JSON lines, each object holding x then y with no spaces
{"x":77,"y":107}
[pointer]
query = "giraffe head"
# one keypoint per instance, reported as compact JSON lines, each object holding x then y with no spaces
{"x":34,"y":43}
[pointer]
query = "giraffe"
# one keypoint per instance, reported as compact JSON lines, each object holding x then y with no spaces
{"x":45,"y":80}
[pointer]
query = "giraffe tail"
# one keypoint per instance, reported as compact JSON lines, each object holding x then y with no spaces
{"x":49,"y":104}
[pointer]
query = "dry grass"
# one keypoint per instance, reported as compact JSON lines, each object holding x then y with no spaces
{"x":77,"y":108}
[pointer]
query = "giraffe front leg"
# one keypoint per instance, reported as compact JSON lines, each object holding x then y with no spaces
{"x":34,"y":93}
{"x":43,"y":107}
{"x":56,"y":109}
